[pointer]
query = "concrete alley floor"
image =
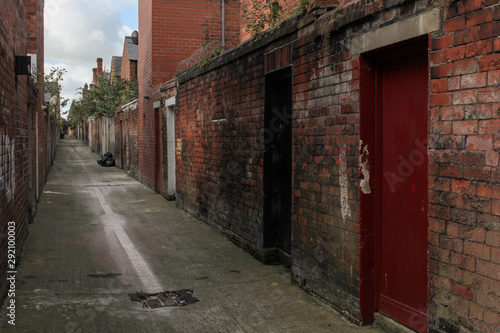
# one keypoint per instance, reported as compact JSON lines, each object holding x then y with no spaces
{"x":98,"y":221}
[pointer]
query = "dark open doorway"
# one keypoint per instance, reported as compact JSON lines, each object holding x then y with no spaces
{"x":278,"y":160}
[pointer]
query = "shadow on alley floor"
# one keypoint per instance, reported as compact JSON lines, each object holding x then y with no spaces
{"x":100,"y":235}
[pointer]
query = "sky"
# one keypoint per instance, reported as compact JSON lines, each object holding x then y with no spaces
{"x":79,"y":32}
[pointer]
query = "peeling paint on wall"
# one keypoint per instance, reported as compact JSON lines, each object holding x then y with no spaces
{"x":364,"y":165}
{"x":344,"y":183}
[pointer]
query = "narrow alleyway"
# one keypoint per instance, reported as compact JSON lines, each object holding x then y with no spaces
{"x":100,"y":235}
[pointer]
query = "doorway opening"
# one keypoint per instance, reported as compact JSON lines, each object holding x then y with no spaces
{"x":278,"y":161}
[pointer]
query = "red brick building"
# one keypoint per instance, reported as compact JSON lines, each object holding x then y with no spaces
{"x":28,"y":132}
{"x":360,"y":144}
{"x":169,"y":34}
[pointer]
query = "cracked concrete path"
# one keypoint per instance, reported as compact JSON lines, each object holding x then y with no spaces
{"x":99,"y":235}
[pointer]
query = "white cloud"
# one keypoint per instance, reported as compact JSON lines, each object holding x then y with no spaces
{"x":79,"y":32}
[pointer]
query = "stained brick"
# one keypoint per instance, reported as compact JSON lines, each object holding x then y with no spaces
{"x":489,"y":30}
{"x":443,"y":42}
{"x":477,"y":250}
{"x":441,"y":71}
{"x":466,"y":36}
{"x":465,"y":97}
{"x":455,"y":53}
{"x":462,"y":290}
{"x":452,"y":113}
{"x":493,"y":238}
{"x":479,"y":48}
{"x":489,"y":126}
{"x":494,"y":78}
{"x":480,"y":142}
{"x":441,"y":99}
{"x":489,"y":62}
{"x":465,"y":127}
{"x":455,"y":24}
{"x":438,"y":86}
{"x":479,"y":17}
{"x":465,"y":67}
{"x":473,"y":80}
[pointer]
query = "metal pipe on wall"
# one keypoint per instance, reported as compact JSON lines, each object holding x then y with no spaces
{"x":223,"y":22}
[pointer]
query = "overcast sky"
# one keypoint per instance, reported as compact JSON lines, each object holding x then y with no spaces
{"x":79,"y":32}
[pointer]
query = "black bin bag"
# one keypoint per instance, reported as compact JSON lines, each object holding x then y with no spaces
{"x":106,"y":160}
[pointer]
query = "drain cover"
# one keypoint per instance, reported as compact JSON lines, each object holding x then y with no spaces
{"x":165,"y":298}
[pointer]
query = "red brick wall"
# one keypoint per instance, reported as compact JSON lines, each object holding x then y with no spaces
{"x":169,"y":34}
{"x":464,"y":211}
{"x":127,"y":155}
{"x":145,"y":74}
{"x":21,"y":119}
{"x":219,"y":163}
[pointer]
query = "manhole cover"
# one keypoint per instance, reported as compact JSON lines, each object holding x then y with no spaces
{"x":165,"y":298}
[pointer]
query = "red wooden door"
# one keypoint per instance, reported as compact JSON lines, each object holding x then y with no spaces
{"x":402,"y":116}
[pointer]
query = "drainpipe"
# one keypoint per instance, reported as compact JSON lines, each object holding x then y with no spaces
{"x":223,"y":22}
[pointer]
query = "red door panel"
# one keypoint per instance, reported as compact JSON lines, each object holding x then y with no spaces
{"x":402,"y":217}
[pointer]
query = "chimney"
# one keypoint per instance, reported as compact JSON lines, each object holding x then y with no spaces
{"x":94,"y":70}
{"x":99,"y":66}
{"x":85,"y":87}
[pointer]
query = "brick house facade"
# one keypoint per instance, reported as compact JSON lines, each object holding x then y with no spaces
{"x":340,"y":67}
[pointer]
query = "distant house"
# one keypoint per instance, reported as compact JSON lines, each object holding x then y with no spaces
{"x":129,"y":59}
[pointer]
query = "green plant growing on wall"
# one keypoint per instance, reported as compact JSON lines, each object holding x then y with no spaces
{"x":261,"y":15}
{"x":301,"y":7}
{"x":207,"y":57}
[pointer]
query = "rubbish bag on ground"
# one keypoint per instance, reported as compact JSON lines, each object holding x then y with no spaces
{"x":106,"y":160}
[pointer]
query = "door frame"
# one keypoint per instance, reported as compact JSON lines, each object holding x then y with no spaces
{"x":369,"y":207}
{"x":171,"y":156}
{"x":271,"y":229}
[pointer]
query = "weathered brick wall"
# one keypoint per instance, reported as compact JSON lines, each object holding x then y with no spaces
{"x":219,"y":128}
{"x":127,"y":155}
{"x":464,"y":183}
{"x":219,"y":166}
{"x":22,"y":160}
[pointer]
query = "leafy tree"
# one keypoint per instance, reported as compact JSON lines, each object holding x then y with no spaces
{"x":53,"y":86}
{"x":103,"y":98}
